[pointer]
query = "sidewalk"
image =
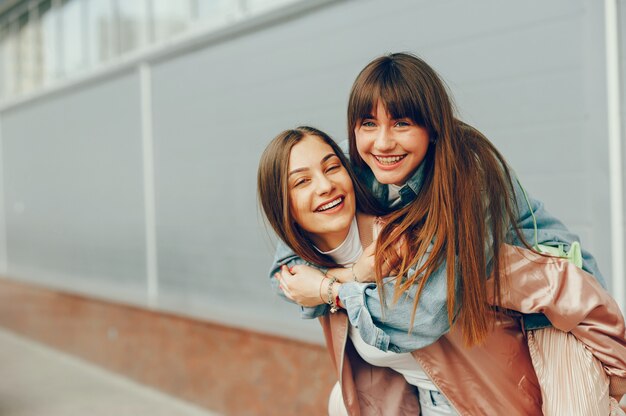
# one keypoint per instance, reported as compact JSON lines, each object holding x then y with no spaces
{"x":38,"y":381}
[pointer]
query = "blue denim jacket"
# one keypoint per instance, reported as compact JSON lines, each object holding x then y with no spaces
{"x":389,"y":330}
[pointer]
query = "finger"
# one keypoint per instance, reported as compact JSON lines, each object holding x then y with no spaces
{"x":370,"y":250}
{"x":288,"y":271}
{"x":279,"y":276}
{"x":283,"y":273}
{"x":288,"y":294}
{"x":386,"y":268}
{"x":284,"y":287}
{"x":284,"y":284}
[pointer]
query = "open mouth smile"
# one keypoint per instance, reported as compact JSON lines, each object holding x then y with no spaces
{"x":389,"y":160}
{"x":330,"y":205}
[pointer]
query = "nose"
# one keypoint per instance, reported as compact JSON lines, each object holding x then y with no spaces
{"x":384,"y":140}
{"x":323,"y":185}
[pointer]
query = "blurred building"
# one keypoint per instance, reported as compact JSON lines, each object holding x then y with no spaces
{"x":130,"y":132}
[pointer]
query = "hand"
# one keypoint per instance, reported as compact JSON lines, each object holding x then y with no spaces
{"x":363,"y":269}
{"x":303,"y":284}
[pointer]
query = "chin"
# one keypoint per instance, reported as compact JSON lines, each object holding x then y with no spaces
{"x":387,"y":179}
{"x":340,"y":224}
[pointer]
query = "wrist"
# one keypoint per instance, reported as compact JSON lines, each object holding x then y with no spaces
{"x":330,"y":296}
{"x":342,"y":274}
{"x":353,"y":274}
{"x":335,"y":291}
{"x":323,"y":288}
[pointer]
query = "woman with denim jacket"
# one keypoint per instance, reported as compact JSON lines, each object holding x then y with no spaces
{"x":307,"y":194}
{"x":460,"y":186}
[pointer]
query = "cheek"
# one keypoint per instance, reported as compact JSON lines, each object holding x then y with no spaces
{"x":298,"y":207}
{"x":348,"y":188}
{"x":422,"y":140}
{"x":417,"y":144}
{"x":293,"y":208}
{"x":422,"y":147}
{"x":348,"y":185}
{"x":361,"y":142}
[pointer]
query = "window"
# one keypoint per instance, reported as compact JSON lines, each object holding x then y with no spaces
{"x":100,"y":31}
{"x":42,"y":41}
{"x":132,"y":24}
{"x":47,"y":33}
{"x":72,"y":47}
{"x":170,"y":17}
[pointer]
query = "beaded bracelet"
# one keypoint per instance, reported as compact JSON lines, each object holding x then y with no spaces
{"x":331,"y":301}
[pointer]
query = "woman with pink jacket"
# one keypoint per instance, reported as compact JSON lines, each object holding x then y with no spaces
{"x":461,"y":226}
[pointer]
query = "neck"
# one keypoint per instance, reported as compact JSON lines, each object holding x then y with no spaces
{"x":330,"y":241}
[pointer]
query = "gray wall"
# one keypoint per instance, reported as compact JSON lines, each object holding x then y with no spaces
{"x":73,"y":189}
{"x":622,"y":53}
{"x":530,"y":75}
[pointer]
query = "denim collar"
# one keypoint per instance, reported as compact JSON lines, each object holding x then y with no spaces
{"x":413,"y":185}
{"x":408,"y":192}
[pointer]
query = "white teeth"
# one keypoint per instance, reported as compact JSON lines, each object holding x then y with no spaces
{"x":330,"y":204}
{"x":389,"y":160}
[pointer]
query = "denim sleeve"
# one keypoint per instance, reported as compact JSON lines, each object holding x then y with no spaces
{"x":285,"y":256}
{"x":550,"y":231}
{"x":389,"y":330}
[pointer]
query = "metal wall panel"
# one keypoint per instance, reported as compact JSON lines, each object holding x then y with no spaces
{"x":73,"y":190}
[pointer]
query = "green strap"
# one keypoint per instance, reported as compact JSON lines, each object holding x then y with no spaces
{"x":574,"y":254}
{"x":532,"y":213}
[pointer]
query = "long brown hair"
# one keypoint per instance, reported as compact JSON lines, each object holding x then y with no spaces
{"x":465,"y":205}
{"x":273,"y":192}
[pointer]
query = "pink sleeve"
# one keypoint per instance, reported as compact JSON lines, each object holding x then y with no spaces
{"x":570,"y":298}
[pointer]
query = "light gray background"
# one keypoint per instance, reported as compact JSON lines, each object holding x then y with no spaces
{"x":530,"y":75}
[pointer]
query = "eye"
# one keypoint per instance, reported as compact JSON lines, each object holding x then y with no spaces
{"x":368,"y":123}
{"x":333,"y":167}
{"x":300,"y":182}
{"x":402,"y":123}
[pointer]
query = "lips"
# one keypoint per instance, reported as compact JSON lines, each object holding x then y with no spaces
{"x":330,"y":204}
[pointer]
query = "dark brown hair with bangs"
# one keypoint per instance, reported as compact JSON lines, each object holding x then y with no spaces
{"x":273,"y":192}
{"x":466,"y":203}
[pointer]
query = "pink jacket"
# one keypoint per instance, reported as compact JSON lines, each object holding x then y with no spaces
{"x":497,"y":377}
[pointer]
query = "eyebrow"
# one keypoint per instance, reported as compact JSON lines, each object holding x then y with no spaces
{"x":324,"y":159}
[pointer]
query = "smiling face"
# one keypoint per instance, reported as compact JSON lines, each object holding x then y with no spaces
{"x":392,"y":148}
{"x":321,"y":193}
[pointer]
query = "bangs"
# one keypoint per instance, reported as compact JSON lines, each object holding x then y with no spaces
{"x":400,"y":97}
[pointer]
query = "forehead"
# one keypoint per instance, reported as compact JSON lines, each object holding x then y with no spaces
{"x":396,"y":100}
{"x":379,"y":109}
{"x":308,"y":152}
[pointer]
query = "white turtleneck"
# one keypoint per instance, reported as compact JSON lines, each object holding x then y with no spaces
{"x":349,"y":251}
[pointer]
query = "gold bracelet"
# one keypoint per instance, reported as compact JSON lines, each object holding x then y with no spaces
{"x":321,"y":283}
{"x":353,"y":274}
